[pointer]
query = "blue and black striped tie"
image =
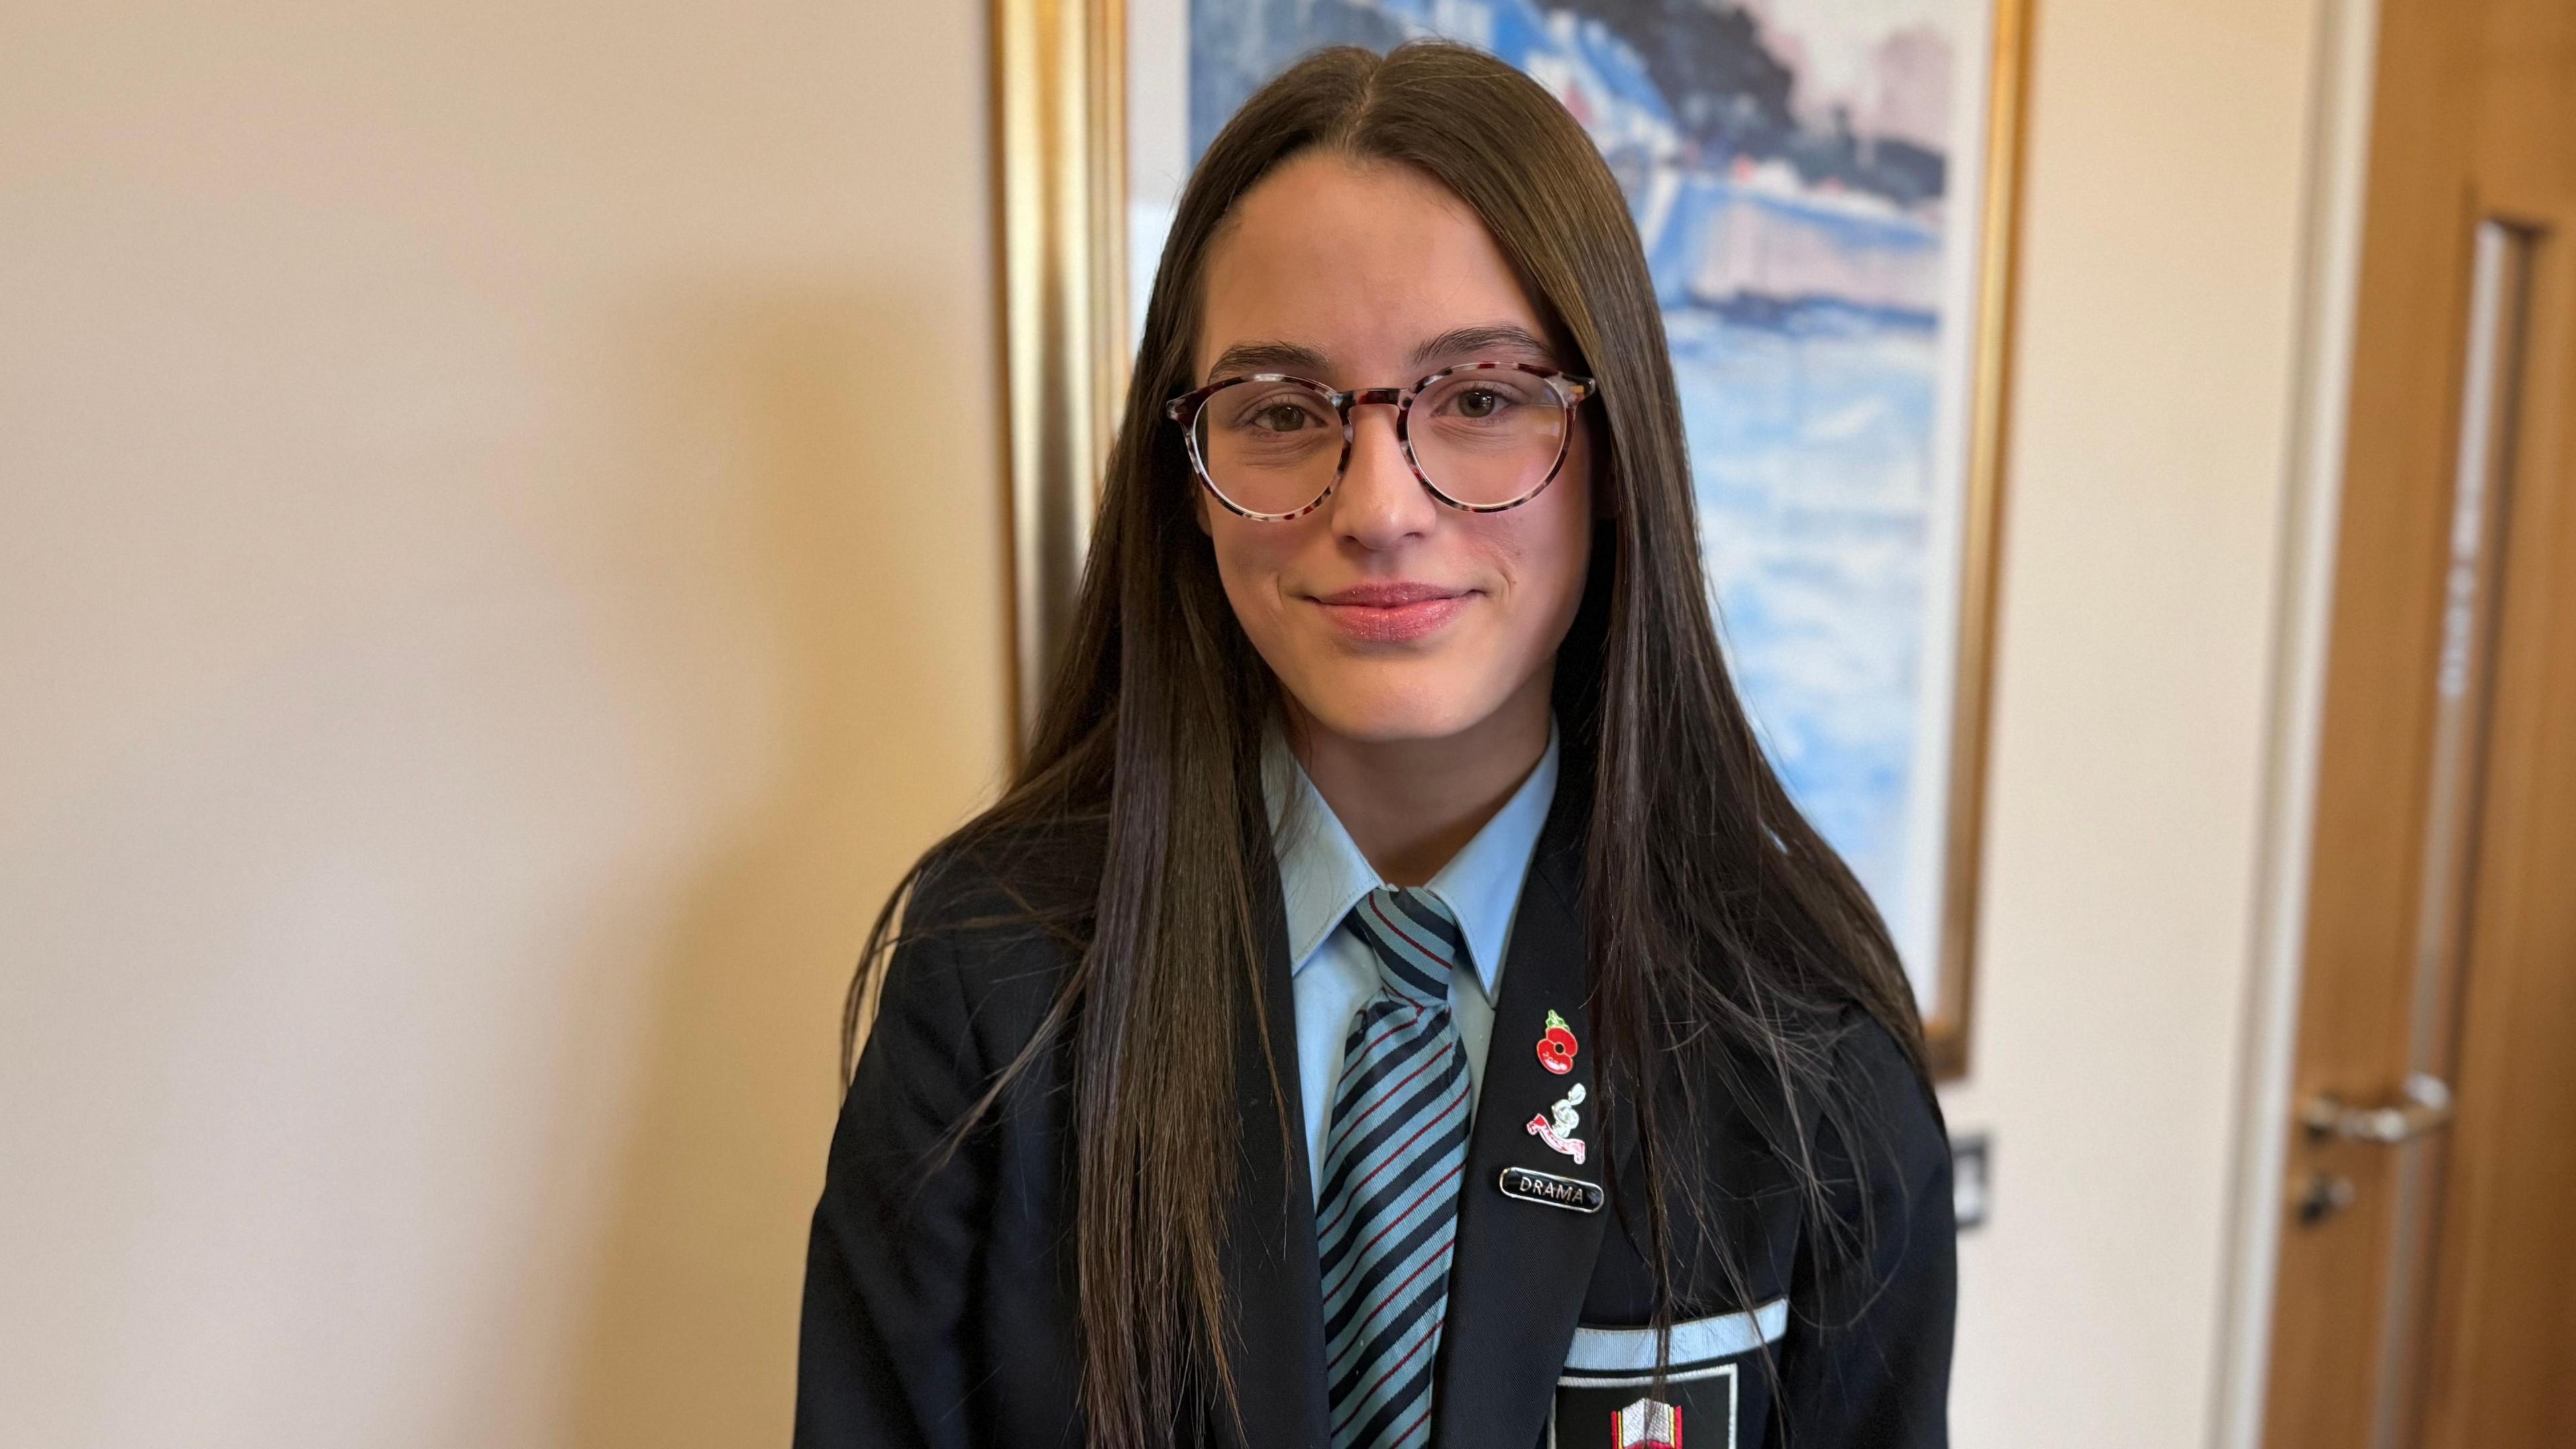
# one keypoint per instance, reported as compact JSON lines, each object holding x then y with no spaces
{"x":1387,"y":1219}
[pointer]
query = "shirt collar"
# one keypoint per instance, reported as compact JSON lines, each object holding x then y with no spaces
{"x":1322,"y":874}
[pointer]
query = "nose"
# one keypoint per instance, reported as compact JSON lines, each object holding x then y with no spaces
{"x":1380,"y":503}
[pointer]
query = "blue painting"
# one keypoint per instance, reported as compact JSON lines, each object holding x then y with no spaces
{"x":1796,"y":169}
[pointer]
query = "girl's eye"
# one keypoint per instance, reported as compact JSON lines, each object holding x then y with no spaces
{"x":1481,"y":402}
{"x":1281,"y":418}
{"x":1271,"y":414}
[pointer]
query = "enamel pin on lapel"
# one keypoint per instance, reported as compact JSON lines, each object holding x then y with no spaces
{"x":1572,"y":1194}
{"x":1647,"y":1424}
{"x":1556,"y":1125}
{"x":1556,"y":1049}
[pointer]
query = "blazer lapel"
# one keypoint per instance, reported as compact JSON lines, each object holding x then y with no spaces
{"x":1271,"y":1264}
{"x":1518,"y":1275}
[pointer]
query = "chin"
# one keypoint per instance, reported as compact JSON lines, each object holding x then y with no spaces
{"x":1375,"y":709}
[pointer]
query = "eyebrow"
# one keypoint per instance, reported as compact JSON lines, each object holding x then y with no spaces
{"x":1457,"y":342}
{"x":1245,"y":357}
{"x":1491,"y":337}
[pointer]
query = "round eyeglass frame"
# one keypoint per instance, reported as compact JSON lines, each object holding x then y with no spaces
{"x":1569,"y":387}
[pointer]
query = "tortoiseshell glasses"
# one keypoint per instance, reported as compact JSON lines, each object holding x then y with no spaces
{"x":1482,"y":436}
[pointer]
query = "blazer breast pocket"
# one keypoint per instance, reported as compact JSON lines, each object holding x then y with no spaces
{"x":1715,"y":1395}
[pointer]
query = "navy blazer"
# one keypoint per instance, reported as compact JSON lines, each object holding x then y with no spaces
{"x":939,"y":1302}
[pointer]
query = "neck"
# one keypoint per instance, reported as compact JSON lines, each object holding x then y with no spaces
{"x":1410,"y":805}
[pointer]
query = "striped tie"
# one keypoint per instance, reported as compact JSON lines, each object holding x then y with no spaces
{"x":1387,"y":1219}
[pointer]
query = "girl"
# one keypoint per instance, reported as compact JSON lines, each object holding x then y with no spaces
{"x":1395,"y":1002}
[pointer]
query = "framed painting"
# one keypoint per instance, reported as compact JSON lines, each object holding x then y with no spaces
{"x":1826,"y":193}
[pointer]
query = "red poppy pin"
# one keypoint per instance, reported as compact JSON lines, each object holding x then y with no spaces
{"x":1556,"y":1049}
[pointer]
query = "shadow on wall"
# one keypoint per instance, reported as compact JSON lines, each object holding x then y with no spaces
{"x":876,"y":551}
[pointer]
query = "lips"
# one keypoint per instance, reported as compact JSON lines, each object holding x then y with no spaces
{"x":1388,"y":595}
{"x":1391,"y":612}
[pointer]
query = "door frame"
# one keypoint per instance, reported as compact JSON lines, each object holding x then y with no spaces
{"x":2341,"y":92}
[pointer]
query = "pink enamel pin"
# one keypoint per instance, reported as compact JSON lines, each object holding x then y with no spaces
{"x":1556,"y":1126}
{"x":1556,"y":1049}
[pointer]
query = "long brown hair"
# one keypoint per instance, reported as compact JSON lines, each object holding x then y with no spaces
{"x":1724,"y":930}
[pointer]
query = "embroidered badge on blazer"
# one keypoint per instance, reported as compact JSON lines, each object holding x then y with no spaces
{"x":1647,"y":1424}
{"x":1607,"y":1397}
{"x":1556,"y":1126}
{"x":1556,"y":1049}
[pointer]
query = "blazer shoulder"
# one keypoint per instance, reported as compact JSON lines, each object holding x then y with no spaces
{"x":1047,"y":869}
{"x":1888,"y":1149}
{"x":1870,"y":1078}
{"x":1006,"y":910}
{"x":1869,"y":1056}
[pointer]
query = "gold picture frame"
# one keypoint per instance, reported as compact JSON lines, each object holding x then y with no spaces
{"x":1061,"y":165}
{"x":1060,"y":103}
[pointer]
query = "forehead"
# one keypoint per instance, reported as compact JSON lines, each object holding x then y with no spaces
{"x":1360,"y":263}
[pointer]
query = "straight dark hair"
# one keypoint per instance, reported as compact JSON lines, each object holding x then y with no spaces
{"x":1726,"y":935}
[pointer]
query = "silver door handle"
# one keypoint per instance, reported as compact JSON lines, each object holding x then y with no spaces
{"x":2426,"y":1110}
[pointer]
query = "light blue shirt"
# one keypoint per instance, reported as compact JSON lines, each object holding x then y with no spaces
{"x":1322,"y":875}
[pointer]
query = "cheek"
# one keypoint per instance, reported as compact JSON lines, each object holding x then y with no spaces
{"x":1553,"y":552}
{"x":1249,"y":560}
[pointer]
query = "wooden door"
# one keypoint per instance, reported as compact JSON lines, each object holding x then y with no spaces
{"x":2427,"y":1277}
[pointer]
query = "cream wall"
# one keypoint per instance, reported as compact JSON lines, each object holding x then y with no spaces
{"x":2165,"y":204}
{"x":500,"y":564}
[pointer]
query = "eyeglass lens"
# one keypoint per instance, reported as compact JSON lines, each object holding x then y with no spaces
{"x":1484,"y":438}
